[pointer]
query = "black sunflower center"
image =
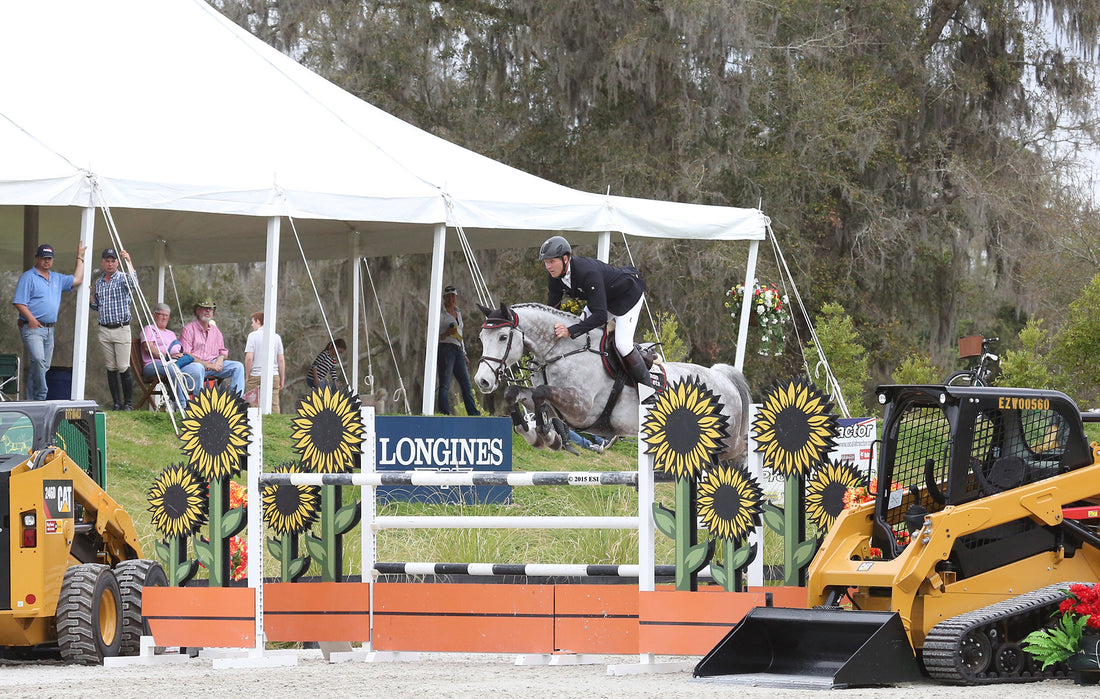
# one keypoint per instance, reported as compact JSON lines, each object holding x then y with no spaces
{"x":175,"y":501}
{"x":727,"y":502}
{"x":214,"y":432}
{"x":287,"y":499}
{"x":832,"y":498}
{"x":682,"y":431}
{"x":792,"y":429}
{"x":327,"y":431}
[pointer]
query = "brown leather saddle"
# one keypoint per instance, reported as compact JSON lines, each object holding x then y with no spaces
{"x":613,"y":363}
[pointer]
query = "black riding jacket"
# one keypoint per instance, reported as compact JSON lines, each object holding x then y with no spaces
{"x":604,"y":287}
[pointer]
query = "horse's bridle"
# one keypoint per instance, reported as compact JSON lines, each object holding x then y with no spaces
{"x":492,"y":324}
{"x":513,"y":322}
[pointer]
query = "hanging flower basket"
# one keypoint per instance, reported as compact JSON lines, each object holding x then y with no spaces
{"x":767,"y":312}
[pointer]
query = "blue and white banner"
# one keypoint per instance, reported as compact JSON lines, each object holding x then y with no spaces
{"x":447,"y":444}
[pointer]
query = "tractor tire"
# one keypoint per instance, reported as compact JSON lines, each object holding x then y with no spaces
{"x":133,"y":577}
{"x":89,"y":614}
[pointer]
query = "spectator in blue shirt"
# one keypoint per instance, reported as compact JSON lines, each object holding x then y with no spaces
{"x":111,"y":297}
{"x":37,"y":300}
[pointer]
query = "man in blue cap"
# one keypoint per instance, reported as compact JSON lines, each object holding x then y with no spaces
{"x":37,"y":300}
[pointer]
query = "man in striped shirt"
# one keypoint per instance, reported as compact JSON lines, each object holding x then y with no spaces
{"x":111,"y":297}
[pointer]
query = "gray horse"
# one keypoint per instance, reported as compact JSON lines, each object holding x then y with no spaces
{"x":569,"y":376}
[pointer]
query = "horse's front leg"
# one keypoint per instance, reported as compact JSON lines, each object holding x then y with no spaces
{"x":571,"y":403}
{"x":524,"y":420}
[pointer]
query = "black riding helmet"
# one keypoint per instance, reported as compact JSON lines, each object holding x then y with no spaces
{"x":555,"y":247}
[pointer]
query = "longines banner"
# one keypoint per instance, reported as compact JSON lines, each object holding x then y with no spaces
{"x":454,"y":444}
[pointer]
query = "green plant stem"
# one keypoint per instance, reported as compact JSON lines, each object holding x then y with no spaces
{"x":219,"y":548}
{"x":792,"y":528}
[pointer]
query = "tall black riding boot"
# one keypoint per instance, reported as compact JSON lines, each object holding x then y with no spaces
{"x":116,"y":389}
{"x":635,"y":366}
{"x":127,"y":389}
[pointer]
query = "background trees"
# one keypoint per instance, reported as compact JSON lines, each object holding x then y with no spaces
{"x":918,"y":159}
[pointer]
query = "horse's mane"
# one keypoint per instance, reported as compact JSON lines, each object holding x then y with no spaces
{"x":563,"y":315}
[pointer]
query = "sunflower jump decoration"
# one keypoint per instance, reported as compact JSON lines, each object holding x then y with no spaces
{"x":795,"y":430}
{"x":328,"y":434}
{"x":215,"y":435}
{"x":828,"y":492}
{"x":730,"y":504}
{"x":684,"y":430}
{"x":178,"y":503}
{"x":289,"y":510}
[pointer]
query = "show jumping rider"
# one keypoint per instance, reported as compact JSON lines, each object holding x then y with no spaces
{"x":611,"y":292}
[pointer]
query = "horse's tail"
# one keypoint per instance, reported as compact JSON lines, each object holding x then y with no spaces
{"x":742,"y":387}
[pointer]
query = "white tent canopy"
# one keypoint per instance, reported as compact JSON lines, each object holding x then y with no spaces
{"x":197,"y":134}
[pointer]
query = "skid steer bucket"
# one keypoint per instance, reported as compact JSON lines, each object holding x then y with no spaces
{"x":812,"y":648}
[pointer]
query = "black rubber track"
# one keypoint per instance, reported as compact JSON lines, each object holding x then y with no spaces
{"x":133,"y":576}
{"x":984,"y":646}
{"x":78,"y":624}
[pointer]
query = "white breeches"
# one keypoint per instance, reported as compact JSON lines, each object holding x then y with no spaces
{"x":624,"y":326}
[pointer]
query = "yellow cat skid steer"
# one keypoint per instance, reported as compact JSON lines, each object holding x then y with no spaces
{"x":965,"y":550}
{"x":71,"y":566}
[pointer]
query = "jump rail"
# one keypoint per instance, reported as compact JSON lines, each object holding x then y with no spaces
{"x":564,"y":570}
{"x":462,"y":478}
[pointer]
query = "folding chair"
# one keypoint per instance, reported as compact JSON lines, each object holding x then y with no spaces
{"x":146,"y":386}
{"x":10,"y":370}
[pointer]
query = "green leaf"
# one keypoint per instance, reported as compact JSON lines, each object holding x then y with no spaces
{"x":315,"y":546}
{"x":275,"y":546}
{"x":665,"y":520}
{"x":163,"y":552}
{"x":297,"y":567}
{"x":203,"y":552}
{"x":1057,"y":644}
{"x":773,"y":518}
{"x":804,"y":553}
{"x":718,"y":572}
{"x":346,"y":518}
{"x":233,"y":522}
{"x":697,"y":556}
{"x":741,"y":557}
{"x":184,"y":572}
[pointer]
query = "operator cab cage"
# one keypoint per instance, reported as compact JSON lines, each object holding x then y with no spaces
{"x":949,"y":445}
{"x":76,"y":427}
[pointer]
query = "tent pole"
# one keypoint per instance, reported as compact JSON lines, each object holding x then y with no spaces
{"x":30,"y":235}
{"x":353,"y":312}
{"x":271,"y":309}
{"x":161,"y":260}
{"x":603,"y":246}
{"x":435,"y":307}
{"x":746,"y":306}
{"x":83,"y":297}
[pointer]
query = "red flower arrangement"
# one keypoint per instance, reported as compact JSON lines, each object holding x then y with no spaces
{"x":1084,"y":601}
{"x":238,"y":550}
{"x":1079,"y":610}
{"x":862,"y":494}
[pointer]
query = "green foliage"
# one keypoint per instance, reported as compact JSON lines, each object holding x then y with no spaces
{"x":1077,"y":344}
{"x":672,"y":348}
{"x":1057,"y":644}
{"x":839,"y":342}
{"x":916,"y":369}
{"x":1028,"y":367}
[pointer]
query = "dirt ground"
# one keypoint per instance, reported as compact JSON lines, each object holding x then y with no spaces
{"x":436,"y":675}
